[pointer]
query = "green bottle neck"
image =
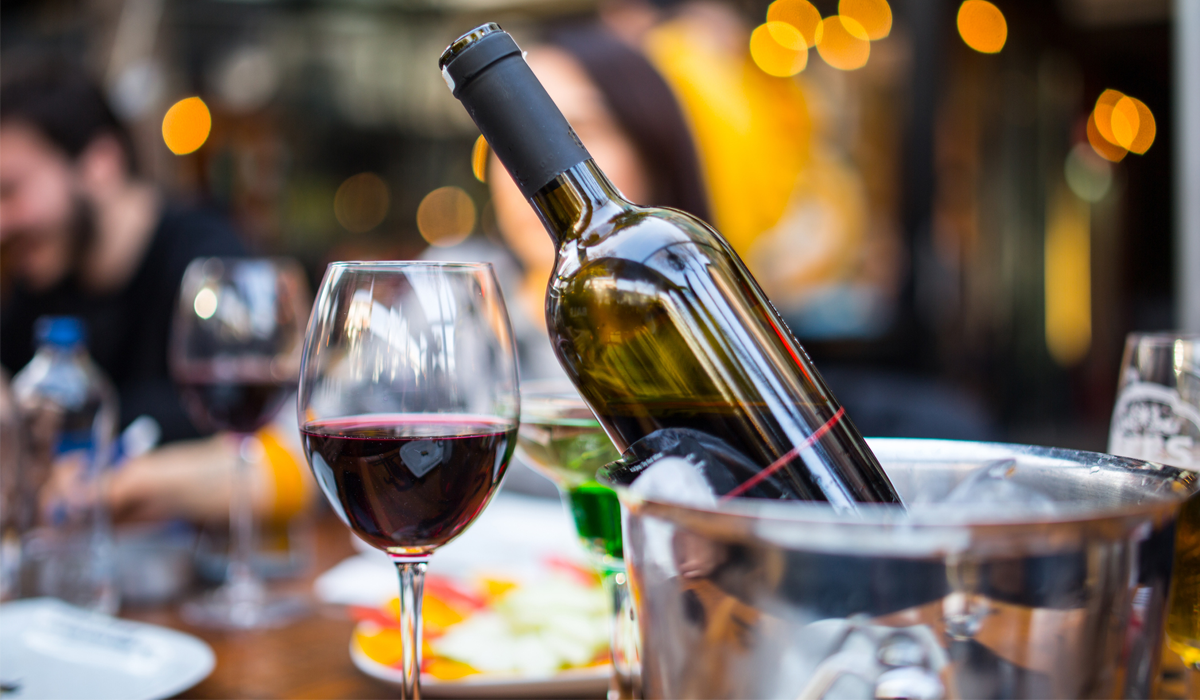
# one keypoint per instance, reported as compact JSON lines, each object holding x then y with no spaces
{"x":570,"y":204}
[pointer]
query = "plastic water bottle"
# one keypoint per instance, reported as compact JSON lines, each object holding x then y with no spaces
{"x":70,"y":412}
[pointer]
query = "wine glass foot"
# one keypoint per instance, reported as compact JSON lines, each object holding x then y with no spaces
{"x":222,"y":611}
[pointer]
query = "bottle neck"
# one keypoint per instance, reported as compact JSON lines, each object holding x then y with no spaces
{"x":571,"y":203}
{"x":487,"y":72}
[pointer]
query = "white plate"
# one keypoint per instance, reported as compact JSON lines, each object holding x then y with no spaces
{"x":56,"y":651}
{"x":584,"y":682}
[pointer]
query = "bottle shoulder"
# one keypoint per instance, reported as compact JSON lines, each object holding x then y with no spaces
{"x":638,"y":235}
{"x":70,"y":380}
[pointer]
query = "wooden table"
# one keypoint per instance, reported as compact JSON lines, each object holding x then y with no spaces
{"x":310,"y":658}
{"x":307,"y":659}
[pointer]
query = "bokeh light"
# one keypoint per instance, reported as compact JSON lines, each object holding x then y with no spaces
{"x":1102,"y":146}
{"x":246,"y":79}
{"x":361,"y":202}
{"x":1088,"y":175}
{"x":1147,"y":128}
{"x":479,"y":159}
{"x":843,"y":43}
{"x":982,"y":26}
{"x":1103,"y":112}
{"x":446,"y":216}
{"x":875,"y":16}
{"x":801,"y":14}
{"x":1125,"y":122}
{"x":778,"y":49}
{"x":186,"y":125}
{"x":1068,"y":278}
{"x":205,"y":303}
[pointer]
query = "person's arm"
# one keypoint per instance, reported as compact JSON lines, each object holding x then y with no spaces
{"x":191,"y":479}
{"x":194,"y":479}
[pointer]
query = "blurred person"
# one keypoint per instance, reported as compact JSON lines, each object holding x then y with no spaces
{"x":83,"y":234}
{"x":785,"y":193}
{"x":628,"y":119}
{"x":752,"y":130}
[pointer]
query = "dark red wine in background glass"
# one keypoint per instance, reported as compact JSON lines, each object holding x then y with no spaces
{"x":242,"y":407}
{"x":410,"y":481}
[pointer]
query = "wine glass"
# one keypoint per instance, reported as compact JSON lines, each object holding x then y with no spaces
{"x":561,"y":438}
{"x":1157,"y":418}
{"x":235,"y":353}
{"x":408,"y":410}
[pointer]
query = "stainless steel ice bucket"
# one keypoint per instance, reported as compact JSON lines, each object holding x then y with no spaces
{"x":757,"y":599}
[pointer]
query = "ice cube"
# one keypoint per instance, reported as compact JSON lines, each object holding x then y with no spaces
{"x":675,"y":480}
{"x":993,"y":487}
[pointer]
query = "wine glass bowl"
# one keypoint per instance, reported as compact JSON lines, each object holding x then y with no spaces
{"x":1156,"y":416}
{"x":235,"y":354}
{"x":408,"y":407}
{"x":407,"y":484}
{"x":563,"y":441}
{"x":236,"y":340}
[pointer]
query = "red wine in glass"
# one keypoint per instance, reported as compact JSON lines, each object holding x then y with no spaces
{"x":408,"y":409}
{"x":241,"y":407}
{"x":409,"y":480}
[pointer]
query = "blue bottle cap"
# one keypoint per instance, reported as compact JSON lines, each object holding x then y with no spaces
{"x":59,"y":331}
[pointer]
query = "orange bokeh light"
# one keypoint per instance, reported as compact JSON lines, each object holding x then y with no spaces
{"x":1146,"y":127}
{"x":1102,"y":147}
{"x":479,"y":159}
{"x":361,"y":202}
{"x":982,"y":26}
{"x":778,"y":49}
{"x":1104,"y":111}
{"x":843,"y":43}
{"x":186,"y":125}
{"x":1125,"y":122}
{"x":875,"y":16}
{"x":800,"y":14}
{"x":446,"y":216}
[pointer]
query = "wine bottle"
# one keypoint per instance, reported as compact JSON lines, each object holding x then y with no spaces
{"x":659,"y":324}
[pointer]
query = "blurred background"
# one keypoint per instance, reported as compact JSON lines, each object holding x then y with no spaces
{"x":941,"y":197}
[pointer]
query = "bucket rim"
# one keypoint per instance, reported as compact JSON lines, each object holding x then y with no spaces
{"x":1165,"y":488}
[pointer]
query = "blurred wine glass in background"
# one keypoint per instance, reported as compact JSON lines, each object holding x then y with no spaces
{"x":561,"y":438}
{"x":235,"y":353}
{"x":1157,"y":418}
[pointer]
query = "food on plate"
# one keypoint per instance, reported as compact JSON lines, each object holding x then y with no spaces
{"x":494,"y":625}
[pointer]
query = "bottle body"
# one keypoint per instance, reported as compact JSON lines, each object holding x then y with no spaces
{"x":69,"y":411}
{"x":661,"y":327}
{"x":659,"y":324}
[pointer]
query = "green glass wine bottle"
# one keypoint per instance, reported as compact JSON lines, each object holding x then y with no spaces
{"x":657,"y":321}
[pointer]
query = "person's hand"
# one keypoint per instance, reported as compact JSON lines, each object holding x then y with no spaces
{"x":192,"y":480}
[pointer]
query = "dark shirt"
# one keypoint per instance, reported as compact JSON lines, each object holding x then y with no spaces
{"x":128,"y":329}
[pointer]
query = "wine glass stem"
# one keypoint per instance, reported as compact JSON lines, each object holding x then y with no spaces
{"x":412,"y":587}
{"x":622,"y":645}
{"x":245,"y":589}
